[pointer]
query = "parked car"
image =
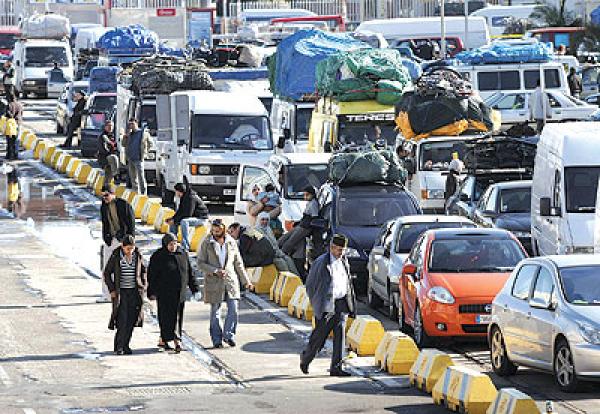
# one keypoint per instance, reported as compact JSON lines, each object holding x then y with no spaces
{"x":451,"y":277}
{"x":65,"y":104}
{"x":547,"y":317}
{"x":98,"y":108}
{"x":392,"y":246}
{"x":359,"y":212}
{"x":507,"y":206}
{"x":515,"y":107}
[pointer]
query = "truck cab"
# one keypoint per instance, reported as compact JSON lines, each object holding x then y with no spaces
{"x":290,"y":174}
{"x":292,"y":116}
{"x":209,"y":135}
{"x":341,"y":124}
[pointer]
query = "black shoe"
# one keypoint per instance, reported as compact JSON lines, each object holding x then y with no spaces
{"x":164,"y":347}
{"x":218,"y":346}
{"x":119,"y":352}
{"x":128,"y":351}
{"x":230,"y":342}
{"x":177,"y":348}
{"x":338,"y":372}
{"x":304,"y":368}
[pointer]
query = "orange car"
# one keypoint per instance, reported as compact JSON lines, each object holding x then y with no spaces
{"x":450,"y":279}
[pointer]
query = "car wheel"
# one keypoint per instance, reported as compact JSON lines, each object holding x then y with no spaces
{"x":373,"y":300}
{"x":498,"y":355}
{"x":398,"y":313}
{"x":564,"y":368}
{"x":420,"y":336}
{"x":392,"y":307}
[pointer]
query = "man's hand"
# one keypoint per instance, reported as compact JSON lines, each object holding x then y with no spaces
{"x":249,"y":286}
{"x":113,"y":294}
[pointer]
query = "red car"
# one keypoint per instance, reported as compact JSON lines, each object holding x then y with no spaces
{"x":8,"y":38}
{"x":450,"y":279}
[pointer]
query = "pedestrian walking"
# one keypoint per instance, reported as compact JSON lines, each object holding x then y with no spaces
{"x":574,"y":82}
{"x":9,"y":79}
{"x":107,"y":152}
{"x":540,"y":107}
{"x":137,"y":144}
{"x":118,"y":221}
{"x":220,"y":261}
{"x":169,"y":273}
{"x":192,"y":212}
{"x":329,"y":288}
{"x":75,"y":122}
{"x":125,"y":276}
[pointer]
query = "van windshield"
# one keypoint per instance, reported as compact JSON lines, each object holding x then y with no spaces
{"x":303,"y":117}
{"x":365,"y":133}
{"x":45,"y":56}
{"x":581,"y":185}
{"x":436,"y":156}
{"x":298,"y":177}
{"x":231,"y":132}
{"x":148,"y":118}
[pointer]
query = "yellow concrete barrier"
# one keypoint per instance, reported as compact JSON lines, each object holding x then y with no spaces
{"x":306,"y":310}
{"x":73,"y":166}
{"x":262,"y":278}
{"x":28,"y":140}
{"x":119,"y":190}
{"x":56,"y":157}
{"x":465,"y":390}
{"x":92,"y":177}
{"x":138,"y":204}
{"x":64,"y":163}
{"x":124,"y":194}
{"x":49,"y":154}
{"x":276,"y":286}
{"x":129,"y":197}
{"x":364,"y":335}
{"x":296,"y":300}
{"x":150,"y":212}
{"x":428,"y":368}
{"x":288,"y":286}
{"x":400,"y":355}
{"x":39,"y":149}
{"x":84,"y":172}
{"x":163,"y":215}
{"x":513,"y":401}
{"x":382,"y":348}
{"x":199,"y":234}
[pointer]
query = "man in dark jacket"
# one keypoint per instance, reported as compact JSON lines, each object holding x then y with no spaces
{"x":107,"y":151}
{"x":329,"y":288}
{"x":9,"y":78}
{"x":75,"y":122}
{"x":574,"y":82}
{"x":192,"y":212}
{"x":118,"y":220}
{"x":255,"y":248}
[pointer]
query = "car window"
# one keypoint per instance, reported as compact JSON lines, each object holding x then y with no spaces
{"x":509,"y":79}
{"x":515,"y":200}
{"x":544,"y":286}
{"x":511,"y":101}
{"x":253,"y":176}
{"x":490,"y":204}
{"x":554,"y":102}
{"x":488,"y":81}
{"x":531,"y":78}
{"x":551,"y":78}
{"x":522,"y":284}
{"x":483,"y":199}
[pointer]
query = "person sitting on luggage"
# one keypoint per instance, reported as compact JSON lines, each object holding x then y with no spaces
{"x":192,"y":212}
{"x":255,"y":206}
{"x":270,"y":198}
{"x":282,"y":261}
{"x":254,"y":247}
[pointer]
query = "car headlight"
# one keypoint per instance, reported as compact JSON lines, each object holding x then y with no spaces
{"x":29,"y":82}
{"x":589,"y":333}
{"x":203,"y":169}
{"x":352,"y":253}
{"x":579,"y":250}
{"x":441,"y":295}
{"x":151,"y":156}
{"x":521,"y":234}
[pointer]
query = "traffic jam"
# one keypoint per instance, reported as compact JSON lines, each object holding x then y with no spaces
{"x":412,"y":198}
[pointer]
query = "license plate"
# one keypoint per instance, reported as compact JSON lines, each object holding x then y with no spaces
{"x":229,"y":191}
{"x":483,"y":319}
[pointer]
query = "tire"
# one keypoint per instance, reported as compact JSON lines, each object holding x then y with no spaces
{"x":167,"y":196}
{"x":373,"y":300}
{"x":501,"y":364}
{"x":564,"y":368}
{"x":420,"y":336}
{"x":392,"y":307}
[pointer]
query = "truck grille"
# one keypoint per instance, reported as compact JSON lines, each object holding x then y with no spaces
{"x":224,"y":169}
{"x":475,"y":308}
{"x":475,"y":329}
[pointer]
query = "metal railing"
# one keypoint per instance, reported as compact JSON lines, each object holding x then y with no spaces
{"x":8,"y":15}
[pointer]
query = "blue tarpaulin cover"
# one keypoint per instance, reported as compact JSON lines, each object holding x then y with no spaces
{"x":502,"y":52}
{"x":595,"y":16}
{"x":297,"y":57}
{"x":133,"y":37}
{"x":103,"y":79}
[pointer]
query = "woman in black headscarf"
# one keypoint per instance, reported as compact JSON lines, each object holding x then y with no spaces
{"x":169,"y":272}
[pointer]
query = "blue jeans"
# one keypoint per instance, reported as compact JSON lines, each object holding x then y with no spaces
{"x":231,"y":320}
{"x":185,"y":224}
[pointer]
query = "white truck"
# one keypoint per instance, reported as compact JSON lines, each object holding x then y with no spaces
{"x":293,"y":118}
{"x":209,"y":134}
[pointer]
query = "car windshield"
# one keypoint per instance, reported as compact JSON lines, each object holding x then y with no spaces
{"x":45,"y":56}
{"x":580,"y":284}
{"x":231,"y":132}
{"x":103,"y":104}
{"x":7,"y":40}
{"x":589,"y":76}
{"x":298,"y":177}
{"x":303,"y":117}
{"x":409,"y":233}
{"x":515,"y":200}
{"x":474,"y":254}
{"x":372,"y":209}
{"x":581,"y":185}
{"x":148,"y":117}
{"x":436,"y":156}
{"x":363,"y":133}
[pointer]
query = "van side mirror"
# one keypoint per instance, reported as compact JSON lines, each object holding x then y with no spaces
{"x":545,"y":209}
{"x":281,"y":142}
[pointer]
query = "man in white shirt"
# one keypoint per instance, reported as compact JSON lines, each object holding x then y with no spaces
{"x":329,"y":288}
{"x":540,"y":107}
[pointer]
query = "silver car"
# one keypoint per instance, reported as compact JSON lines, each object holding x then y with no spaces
{"x":547,"y":316}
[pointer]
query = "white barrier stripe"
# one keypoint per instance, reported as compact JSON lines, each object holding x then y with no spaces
{"x":4,"y":377}
{"x":496,"y":402}
{"x":447,"y":375}
{"x":464,"y":386}
{"x":511,"y":403}
{"x":28,"y":411}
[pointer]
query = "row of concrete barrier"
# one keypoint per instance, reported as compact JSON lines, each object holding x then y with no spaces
{"x":458,"y":388}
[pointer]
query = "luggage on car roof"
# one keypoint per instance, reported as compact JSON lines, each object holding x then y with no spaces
{"x":45,"y":26}
{"x":366,"y":167}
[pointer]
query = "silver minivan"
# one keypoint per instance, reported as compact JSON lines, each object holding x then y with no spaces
{"x":547,"y":316}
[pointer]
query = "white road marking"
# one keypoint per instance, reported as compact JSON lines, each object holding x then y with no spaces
{"x":5,"y":378}
{"x":28,"y":411}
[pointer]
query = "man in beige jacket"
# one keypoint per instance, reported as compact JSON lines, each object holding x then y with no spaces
{"x":220,"y":261}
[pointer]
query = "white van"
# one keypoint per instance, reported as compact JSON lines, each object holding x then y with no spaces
{"x":565,"y":183}
{"x":498,"y":17}
{"x":514,"y":77}
{"x":395,"y":30}
{"x":33,"y":60}
{"x":294,"y":117}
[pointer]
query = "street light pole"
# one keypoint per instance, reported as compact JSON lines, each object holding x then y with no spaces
{"x":466,"y":24}
{"x":443,"y":30}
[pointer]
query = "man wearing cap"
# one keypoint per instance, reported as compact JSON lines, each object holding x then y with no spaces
{"x":220,"y":260}
{"x":75,"y":122}
{"x":118,"y":220}
{"x":329,"y":288}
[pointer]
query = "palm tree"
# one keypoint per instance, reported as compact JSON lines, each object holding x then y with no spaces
{"x":591,"y":36}
{"x":552,"y":16}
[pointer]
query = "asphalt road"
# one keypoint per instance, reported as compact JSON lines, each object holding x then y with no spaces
{"x":55,"y":354}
